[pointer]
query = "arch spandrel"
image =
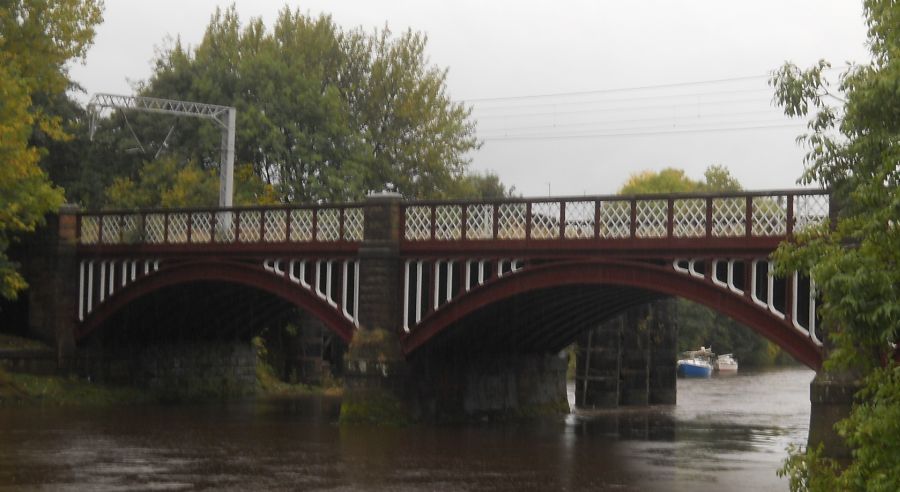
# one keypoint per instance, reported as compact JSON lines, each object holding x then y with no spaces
{"x":239,"y":273}
{"x":630,"y":274}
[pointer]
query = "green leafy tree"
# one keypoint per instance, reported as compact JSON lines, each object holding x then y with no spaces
{"x":324,"y":114}
{"x":718,"y":178}
{"x":37,"y":39}
{"x":165,"y":182}
{"x":669,"y":180}
{"x":854,"y":149}
{"x":480,"y":186}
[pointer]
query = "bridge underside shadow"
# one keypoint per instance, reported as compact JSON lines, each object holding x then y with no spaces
{"x":509,"y":356}
{"x":198,"y":334}
{"x":540,"y":321}
{"x":199,"y":311}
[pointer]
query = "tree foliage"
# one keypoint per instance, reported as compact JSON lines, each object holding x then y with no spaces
{"x":670,"y":180}
{"x":854,"y":148}
{"x":323,"y":113}
{"x":164,"y":182}
{"x":37,"y":39}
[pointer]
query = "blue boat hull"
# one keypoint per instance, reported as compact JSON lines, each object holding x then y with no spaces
{"x":688,"y":370}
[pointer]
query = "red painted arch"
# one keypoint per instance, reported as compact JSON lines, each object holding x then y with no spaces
{"x":218,"y":271}
{"x":624,"y":273}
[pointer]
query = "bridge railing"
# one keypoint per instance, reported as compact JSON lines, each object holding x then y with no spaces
{"x":723,"y":215}
{"x":283,"y":224}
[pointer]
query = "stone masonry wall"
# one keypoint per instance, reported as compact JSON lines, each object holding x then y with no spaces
{"x":200,"y":370}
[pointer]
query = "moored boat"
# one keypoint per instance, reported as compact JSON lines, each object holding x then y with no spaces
{"x":695,"y":363}
{"x":726,"y":363}
{"x":694,"y":368}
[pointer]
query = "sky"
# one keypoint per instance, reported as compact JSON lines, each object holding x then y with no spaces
{"x":570,"y":97}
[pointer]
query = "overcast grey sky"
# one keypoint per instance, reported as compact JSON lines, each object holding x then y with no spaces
{"x":548,"y":79}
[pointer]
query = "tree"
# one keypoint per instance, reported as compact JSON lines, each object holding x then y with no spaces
{"x":37,"y":39}
{"x":854,"y":149}
{"x":324,"y":114}
{"x":669,"y":180}
{"x":165,"y":182}
{"x":478,"y":186}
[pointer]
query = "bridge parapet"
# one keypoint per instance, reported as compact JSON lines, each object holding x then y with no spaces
{"x":745,"y":215}
{"x":281,"y":224}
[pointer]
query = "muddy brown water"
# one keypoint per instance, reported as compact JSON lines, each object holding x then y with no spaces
{"x":724,"y":434}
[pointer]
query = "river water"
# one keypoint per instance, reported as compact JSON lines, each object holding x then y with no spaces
{"x":724,"y":434}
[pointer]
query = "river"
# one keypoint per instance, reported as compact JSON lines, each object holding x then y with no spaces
{"x":724,"y":434}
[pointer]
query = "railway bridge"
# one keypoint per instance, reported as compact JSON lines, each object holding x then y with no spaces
{"x":450,"y":305}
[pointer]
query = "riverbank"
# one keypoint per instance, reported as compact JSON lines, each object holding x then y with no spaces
{"x":48,"y":388}
{"x":54,"y":390}
{"x":22,"y":389}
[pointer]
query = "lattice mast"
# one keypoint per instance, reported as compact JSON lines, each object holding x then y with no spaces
{"x":224,"y":116}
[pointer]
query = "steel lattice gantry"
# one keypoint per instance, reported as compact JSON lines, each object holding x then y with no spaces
{"x":224,"y":116}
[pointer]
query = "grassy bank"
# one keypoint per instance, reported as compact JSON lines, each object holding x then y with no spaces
{"x":19,"y":388}
{"x":29,"y":389}
{"x":11,"y":342}
{"x":270,"y":386}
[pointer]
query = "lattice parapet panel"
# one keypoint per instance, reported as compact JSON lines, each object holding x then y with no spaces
{"x":769,"y":216}
{"x":328,"y":224}
{"x":580,"y":218}
{"x":810,"y":211}
{"x":511,"y":221}
{"x":545,"y":220}
{"x":225,"y":227}
{"x":301,"y":225}
{"x":249,"y":223}
{"x":600,"y":218}
{"x":615,"y":219}
{"x":354,"y":224}
{"x":651,"y":218}
{"x":178,"y":228}
{"x":131,"y":229}
{"x":155,"y":228}
{"x":728,"y":217}
{"x":479,"y":221}
{"x":111,"y":229}
{"x":689,"y":217}
{"x":418,"y":223}
{"x":201,"y":227}
{"x":275,"y":225}
{"x":447,"y":222}
{"x":90,"y":229}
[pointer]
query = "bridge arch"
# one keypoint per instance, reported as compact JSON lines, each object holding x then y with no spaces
{"x":232,"y":272}
{"x":647,"y":277}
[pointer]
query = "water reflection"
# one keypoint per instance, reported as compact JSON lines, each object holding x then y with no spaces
{"x":723,"y":435}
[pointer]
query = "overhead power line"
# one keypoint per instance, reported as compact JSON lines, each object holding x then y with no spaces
{"x":630,"y":89}
{"x":620,"y":89}
{"x":713,"y":94}
{"x":635,"y":133}
{"x":620,"y":108}
{"x":707,"y":118}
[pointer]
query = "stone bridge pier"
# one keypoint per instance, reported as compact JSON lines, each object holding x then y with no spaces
{"x":382,"y":383}
{"x":628,"y":361}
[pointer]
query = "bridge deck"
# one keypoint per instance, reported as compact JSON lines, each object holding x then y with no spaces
{"x":734,"y":222}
